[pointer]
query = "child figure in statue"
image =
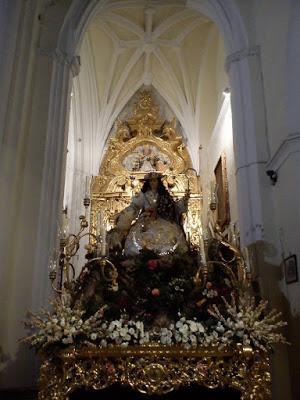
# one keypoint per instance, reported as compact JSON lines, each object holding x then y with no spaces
{"x":157,"y":227}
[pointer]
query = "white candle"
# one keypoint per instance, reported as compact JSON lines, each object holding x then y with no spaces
{"x":211,"y":229}
{"x":99,"y":222}
{"x":233,"y":234}
{"x":247,"y":258}
{"x":64,"y":225}
{"x":103,"y":249}
{"x":103,"y":237}
{"x":87,"y":187}
{"x":202,"y":247}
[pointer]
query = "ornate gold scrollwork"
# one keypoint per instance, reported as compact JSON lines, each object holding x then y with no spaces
{"x":156,"y":369}
{"x":141,"y":142}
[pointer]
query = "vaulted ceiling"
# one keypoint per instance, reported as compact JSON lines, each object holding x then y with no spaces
{"x":132,"y":43}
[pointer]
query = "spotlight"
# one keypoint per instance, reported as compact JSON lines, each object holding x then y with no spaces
{"x":272,"y":175}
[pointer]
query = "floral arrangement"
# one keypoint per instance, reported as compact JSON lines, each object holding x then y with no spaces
{"x":248,"y":323}
{"x":64,"y":325}
{"x":242,"y":322}
{"x":150,"y":286}
{"x":157,"y":300}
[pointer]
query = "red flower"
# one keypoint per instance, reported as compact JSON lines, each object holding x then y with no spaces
{"x":110,"y":368}
{"x":155,"y":292}
{"x":152,"y":264}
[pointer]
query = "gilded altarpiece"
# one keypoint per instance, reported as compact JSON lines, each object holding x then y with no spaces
{"x":144,"y":143}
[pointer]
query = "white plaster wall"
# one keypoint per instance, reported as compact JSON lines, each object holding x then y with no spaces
{"x":270,"y":28}
{"x":287,"y":193}
{"x":221,"y":141}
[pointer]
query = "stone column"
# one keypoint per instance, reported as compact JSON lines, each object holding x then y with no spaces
{"x":32,"y":170}
{"x":257,"y":217}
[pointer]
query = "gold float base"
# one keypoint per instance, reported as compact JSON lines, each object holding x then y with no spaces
{"x":155,"y":369}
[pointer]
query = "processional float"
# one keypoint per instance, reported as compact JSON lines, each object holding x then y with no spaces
{"x":152,"y":322}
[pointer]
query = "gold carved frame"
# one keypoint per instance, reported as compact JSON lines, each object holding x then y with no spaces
{"x":115,"y":185}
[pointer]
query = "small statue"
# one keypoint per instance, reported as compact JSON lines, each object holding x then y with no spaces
{"x":157,"y":227}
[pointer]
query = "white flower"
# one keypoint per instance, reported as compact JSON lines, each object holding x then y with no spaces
{"x":123,"y":331}
{"x":114,"y":334}
{"x":193,"y":338}
{"x":200,"y":328}
{"x":94,"y":336}
{"x":184,"y":328}
{"x":239,"y":325}
{"x":193,"y":326}
{"x":67,"y":340}
{"x":220,"y":328}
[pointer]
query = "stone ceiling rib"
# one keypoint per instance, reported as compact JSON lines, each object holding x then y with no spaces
{"x":170,"y":73}
{"x":170,"y":21}
{"x":103,"y":25}
{"x":185,"y":32}
{"x":124,"y":75}
{"x":150,"y":43}
{"x":142,"y":3}
{"x":124,"y":23}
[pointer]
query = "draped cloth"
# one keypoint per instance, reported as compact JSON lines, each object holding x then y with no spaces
{"x":157,"y":225}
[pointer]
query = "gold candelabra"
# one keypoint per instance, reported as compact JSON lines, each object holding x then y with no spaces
{"x":61,"y":268}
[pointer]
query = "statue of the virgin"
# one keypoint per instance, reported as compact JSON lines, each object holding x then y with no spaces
{"x":157,"y":217}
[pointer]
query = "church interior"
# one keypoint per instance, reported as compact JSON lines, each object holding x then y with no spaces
{"x":149,"y":176}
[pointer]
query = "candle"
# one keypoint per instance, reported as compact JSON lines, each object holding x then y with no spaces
{"x":211,"y":230}
{"x":202,"y":247}
{"x":64,"y":225}
{"x":234,"y":238}
{"x":103,"y":243}
{"x":247,"y":258}
{"x":101,"y":231}
{"x":87,"y":187}
{"x":99,"y":222}
{"x":103,"y":248}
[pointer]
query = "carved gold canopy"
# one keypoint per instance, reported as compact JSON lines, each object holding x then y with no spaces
{"x":142,"y":143}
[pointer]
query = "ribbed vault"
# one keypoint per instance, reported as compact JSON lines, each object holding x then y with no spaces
{"x":160,"y":43}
